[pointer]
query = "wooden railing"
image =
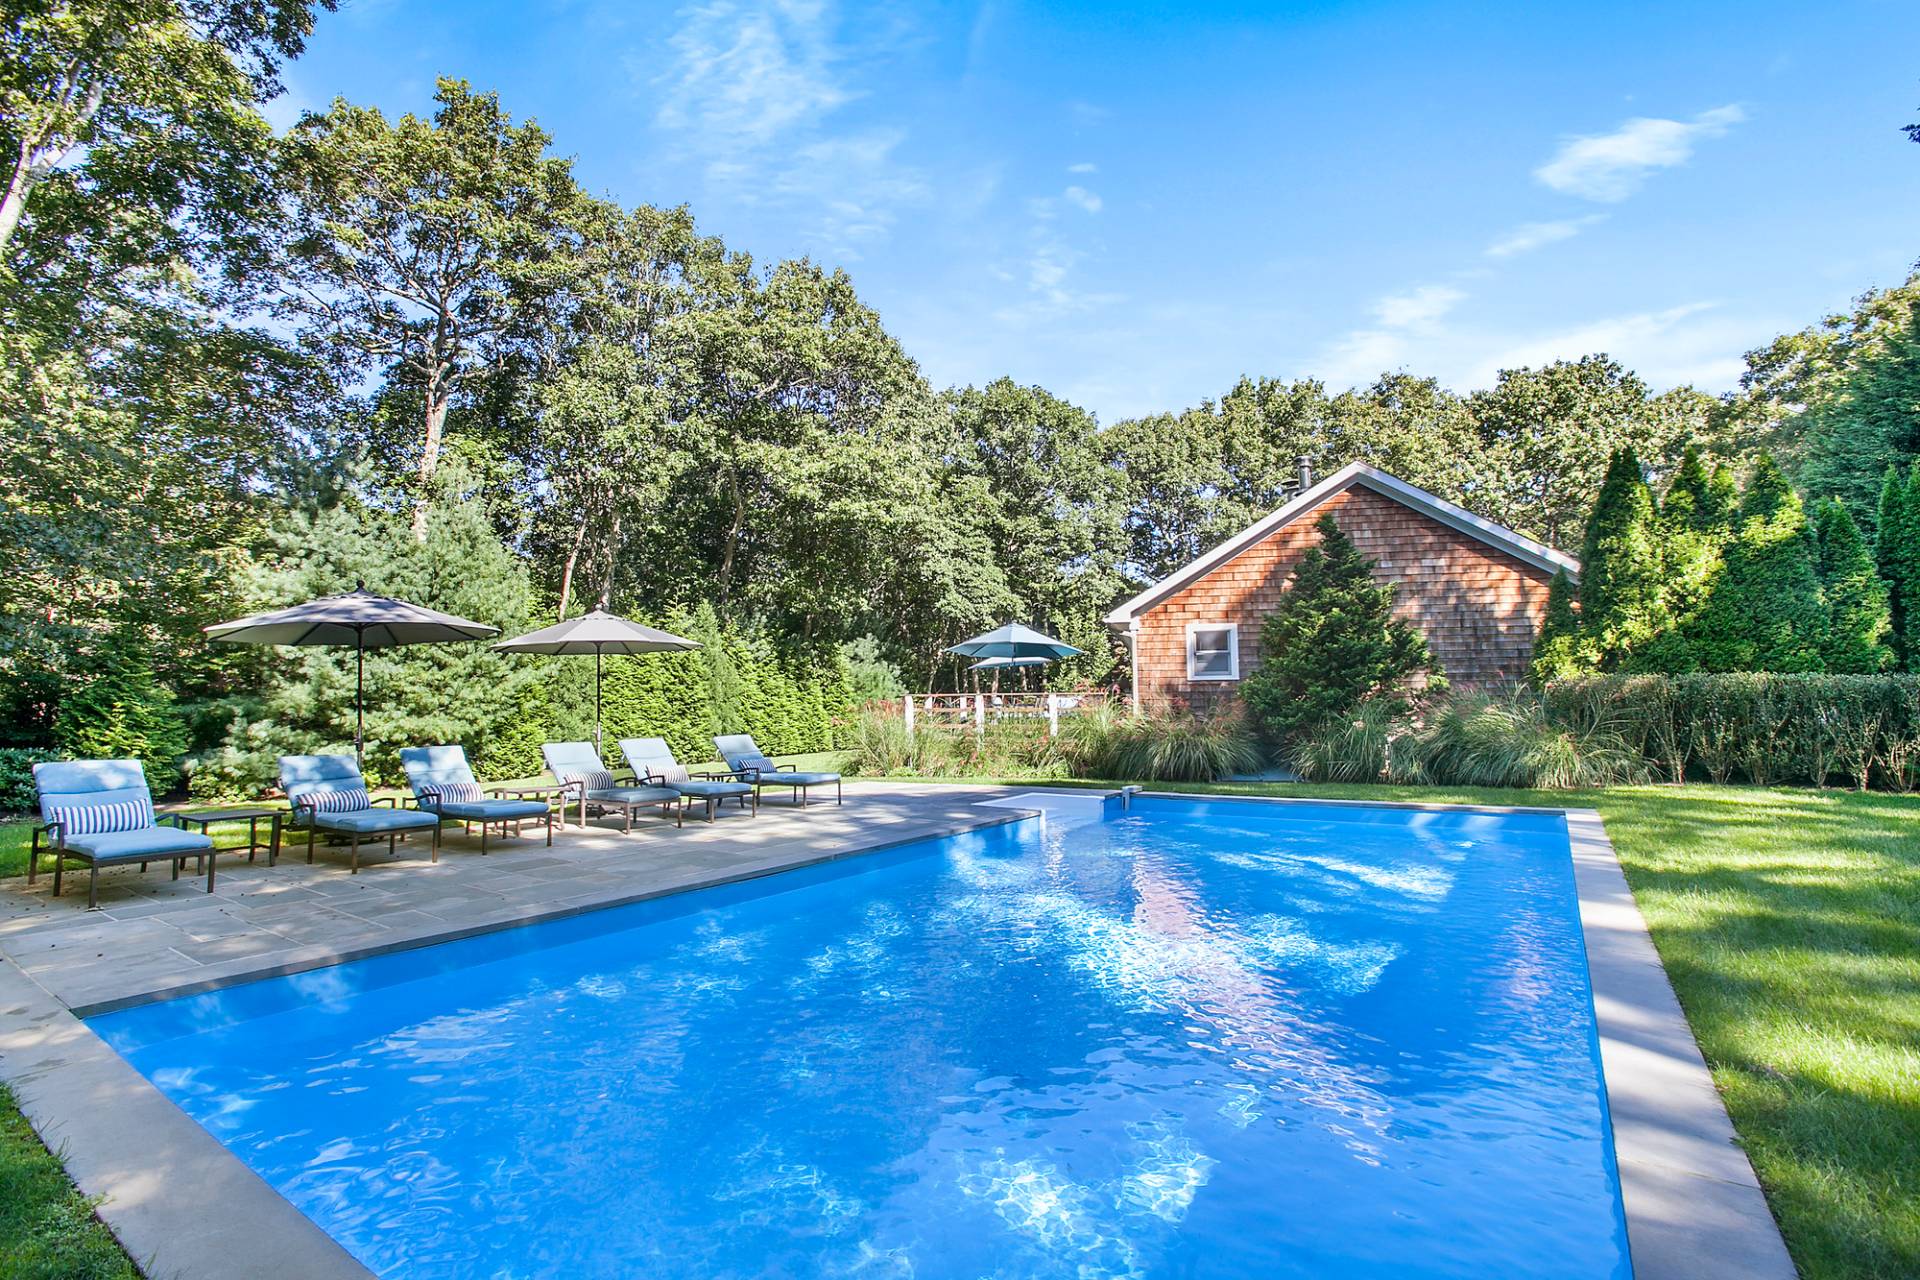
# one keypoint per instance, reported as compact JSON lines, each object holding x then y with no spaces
{"x":974,"y":710}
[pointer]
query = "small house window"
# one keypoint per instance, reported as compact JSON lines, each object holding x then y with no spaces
{"x":1213,"y":651}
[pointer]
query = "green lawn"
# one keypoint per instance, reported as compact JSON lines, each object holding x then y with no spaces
{"x":1790,"y":923}
{"x":47,"y":1231}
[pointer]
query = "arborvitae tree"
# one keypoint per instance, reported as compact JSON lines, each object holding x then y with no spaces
{"x":1766,"y":611}
{"x":1558,"y":653}
{"x":1723,"y":494}
{"x":1621,"y":604}
{"x":1694,"y":520}
{"x":1856,"y":598}
{"x":1897,"y":555}
{"x":1331,"y":643}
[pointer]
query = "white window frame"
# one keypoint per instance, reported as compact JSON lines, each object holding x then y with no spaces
{"x":1233,"y":651}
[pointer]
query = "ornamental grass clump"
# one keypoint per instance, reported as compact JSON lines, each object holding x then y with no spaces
{"x":1480,"y":741}
{"x":1166,"y":747}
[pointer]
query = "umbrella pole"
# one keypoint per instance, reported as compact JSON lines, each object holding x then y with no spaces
{"x":360,"y":701}
{"x":596,"y":699}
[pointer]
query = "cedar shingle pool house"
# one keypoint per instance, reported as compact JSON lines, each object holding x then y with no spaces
{"x":1477,"y":590}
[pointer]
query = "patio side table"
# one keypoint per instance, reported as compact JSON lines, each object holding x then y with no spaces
{"x":204,"y":818}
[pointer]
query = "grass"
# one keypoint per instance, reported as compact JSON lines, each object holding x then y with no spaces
{"x":1789,"y":921}
{"x":47,"y":1229}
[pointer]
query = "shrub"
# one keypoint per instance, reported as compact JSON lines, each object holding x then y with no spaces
{"x":16,"y":777}
{"x":1480,"y":741}
{"x":1804,"y":728}
{"x":123,"y":713}
{"x":1331,"y":643}
{"x":881,"y":745}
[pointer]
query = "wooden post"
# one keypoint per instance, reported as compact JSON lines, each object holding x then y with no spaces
{"x":980,"y":714}
{"x":1053,"y":715}
{"x":909,"y":715}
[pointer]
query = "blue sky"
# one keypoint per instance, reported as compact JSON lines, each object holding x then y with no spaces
{"x":1135,"y":205}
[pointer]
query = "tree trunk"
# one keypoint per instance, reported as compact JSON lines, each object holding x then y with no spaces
{"x":437,"y":397}
{"x":573,"y":558}
{"x":613,"y":560}
{"x":733,"y":539}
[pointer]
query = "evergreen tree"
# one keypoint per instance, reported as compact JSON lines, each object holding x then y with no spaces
{"x":1897,"y":556}
{"x":1331,"y":643}
{"x":415,"y":695}
{"x":1856,"y":598}
{"x":1694,"y":519}
{"x":1766,"y":611}
{"x":1621,"y":598}
{"x":1723,"y":494}
{"x":1558,"y":653}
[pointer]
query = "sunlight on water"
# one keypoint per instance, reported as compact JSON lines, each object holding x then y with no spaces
{"x":1207,"y":1040}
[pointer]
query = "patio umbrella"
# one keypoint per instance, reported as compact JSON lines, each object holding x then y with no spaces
{"x":1014,"y":641}
{"x":358,"y":618}
{"x":598,"y":633}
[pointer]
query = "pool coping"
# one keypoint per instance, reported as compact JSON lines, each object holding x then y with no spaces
{"x":1694,"y":1208}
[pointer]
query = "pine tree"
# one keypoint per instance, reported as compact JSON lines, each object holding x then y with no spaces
{"x":1558,"y":653}
{"x":1723,"y":498}
{"x":1621,"y":604}
{"x":1856,"y":598}
{"x":1331,"y":643}
{"x":1766,"y":611}
{"x":415,"y":695}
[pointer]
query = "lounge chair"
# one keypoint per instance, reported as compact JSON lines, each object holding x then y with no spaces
{"x":651,"y":760}
{"x":327,"y":793}
{"x":100,"y":812}
{"x":752,"y":764}
{"x":443,"y":783}
{"x":577,"y":765}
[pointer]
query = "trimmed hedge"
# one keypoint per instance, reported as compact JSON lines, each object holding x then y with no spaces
{"x":1863,"y":731}
{"x":16,"y":777}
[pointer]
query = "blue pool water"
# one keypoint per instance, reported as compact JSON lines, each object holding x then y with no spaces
{"x":1209,"y":1039}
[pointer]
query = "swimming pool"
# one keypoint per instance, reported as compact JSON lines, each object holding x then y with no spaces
{"x":1188,"y":1039}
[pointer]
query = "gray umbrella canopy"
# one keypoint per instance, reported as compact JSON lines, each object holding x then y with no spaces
{"x":358,"y":619}
{"x":597,"y":633}
{"x":1014,"y":641}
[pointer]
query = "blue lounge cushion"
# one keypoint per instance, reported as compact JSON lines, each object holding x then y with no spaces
{"x":148,"y":842}
{"x":772,"y":779}
{"x":365,"y":821}
{"x":491,"y":810}
{"x":705,"y":788}
{"x":634,"y":795}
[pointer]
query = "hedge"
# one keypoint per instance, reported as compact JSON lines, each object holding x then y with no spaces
{"x":1811,"y":729}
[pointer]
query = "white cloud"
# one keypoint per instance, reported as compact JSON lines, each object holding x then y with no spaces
{"x":1680,"y":344}
{"x":753,"y":88}
{"x":1611,"y":166}
{"x":1529,"y":236}
{"x":1422,"y":306}
{"x":744,"y":74}
{"x":1085,"y":166}
{"x":1084,"y":198}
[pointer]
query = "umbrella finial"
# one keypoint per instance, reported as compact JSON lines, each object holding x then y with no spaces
{"x":359,"y":584}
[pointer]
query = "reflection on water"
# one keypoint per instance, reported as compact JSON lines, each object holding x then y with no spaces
{"x":1191,"y":1039}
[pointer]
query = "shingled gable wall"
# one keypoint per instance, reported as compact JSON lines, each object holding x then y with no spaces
{"x":1478,"y":607}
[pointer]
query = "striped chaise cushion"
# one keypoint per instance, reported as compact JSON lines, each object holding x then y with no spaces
{"x":99,"y":819}
{"x":594,"y":780}
{"x":456,"y":793}
{"x":345,"y":800}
